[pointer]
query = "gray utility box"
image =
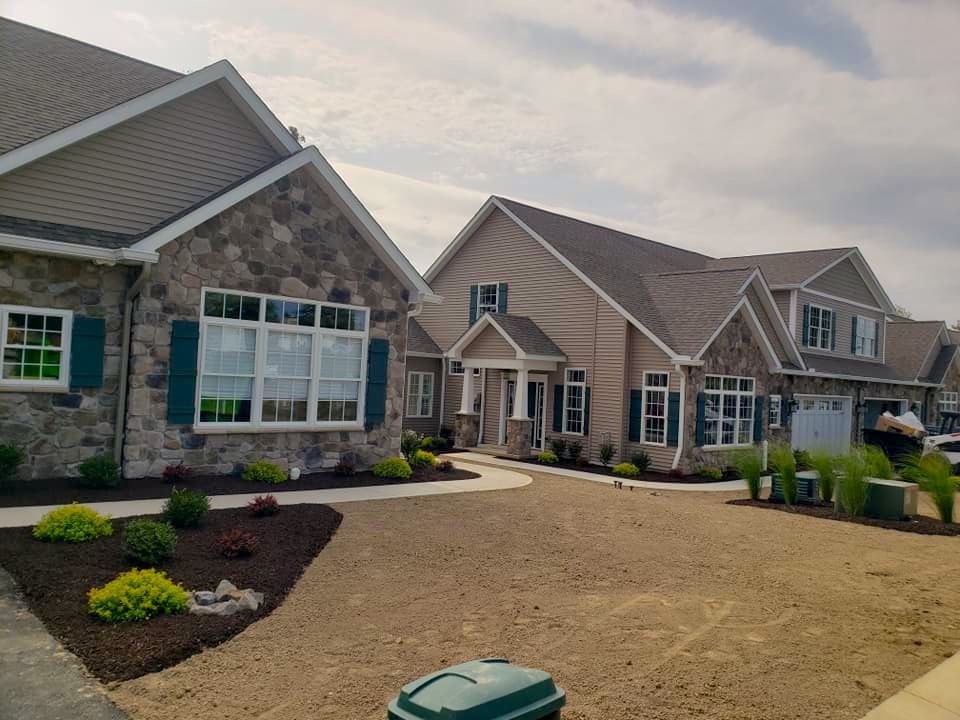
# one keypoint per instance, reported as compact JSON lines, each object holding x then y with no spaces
{"x":891,"y":499}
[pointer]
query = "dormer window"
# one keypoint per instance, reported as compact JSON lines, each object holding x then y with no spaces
{"x":821,"y":326}
{"x":864,"y":336}
{"x":486,"y":298}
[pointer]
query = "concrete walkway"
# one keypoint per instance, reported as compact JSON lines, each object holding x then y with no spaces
{"x":491,"y":478}
{"x":935,"y":696}
{"x":723,"y":486}
{"x":39,"y":679}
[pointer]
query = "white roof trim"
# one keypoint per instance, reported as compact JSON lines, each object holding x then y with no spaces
{"x":235,"y":86}
{"x":744,"y":302}
{"x":456,"y":350}
{"x":859,"y":378}
{"x":860,"y":264}
{"x":75,"y":250}
{"x":482,"y":214}
{"x":341,"y":195}
{"x":414,"y":353}
{"x":773,"y":312}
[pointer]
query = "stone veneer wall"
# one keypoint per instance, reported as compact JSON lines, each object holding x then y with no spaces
{"x":288,"y":239}
{"x":58,"y":430}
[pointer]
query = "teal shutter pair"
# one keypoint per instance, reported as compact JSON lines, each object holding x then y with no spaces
{"x":475,"y":296}
{"x":635,"y":430}
{"x":87,"y":340}
{"x":558,"y":409}
{"x":184,"y":366}
{"x":833,"y":328}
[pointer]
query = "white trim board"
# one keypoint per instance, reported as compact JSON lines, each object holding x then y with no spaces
{"x":866,"y":273}
{"x":787,"y":338}
{"x":858,"y":378}
{"x":75,"y":250}
{"x":744,"y":302}
{"x":486,"y":320}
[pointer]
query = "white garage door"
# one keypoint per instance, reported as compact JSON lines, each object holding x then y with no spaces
{"x":822,"y":422}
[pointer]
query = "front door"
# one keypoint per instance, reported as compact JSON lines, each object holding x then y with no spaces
{"x":537,"y":410}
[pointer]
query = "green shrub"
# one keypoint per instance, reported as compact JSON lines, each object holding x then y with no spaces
{"x":854,"y":488}
{"x":427,"y":442}
{"x":186,"y":508}
{"x":148,"y":542}
{"x":547,"y":457}
{"x":409,"y":443}
{"x":558,"y":445}
{"x":641,"y":461}
{"x":10,"y":459}
{"x":99,"y":471}
{"x":784,"y":463}
{"x":711,"y":472}
{"x":826,"y":466}
{"x":393,"y":468}
{"x":606,"y":454}
{"x":878,"y":464}
{"x":264,"y":471}
{"x":574,"y":449}
{"x":934,"y":474}
{"x":438,"y":444}
{"x":423,"y":458}
{"x":749,"y":465}
{"x":137,"y":595}
{"x":72,"y":523}
{"x":627,"y":470}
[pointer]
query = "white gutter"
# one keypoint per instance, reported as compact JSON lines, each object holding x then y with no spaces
{"x":680,"y":424}
{"x":75,"y":250}
{"x":857,"y":378}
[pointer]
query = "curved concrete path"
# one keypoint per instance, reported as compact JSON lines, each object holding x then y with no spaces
{"x":723,"y":486}
{"x":491,"y":478}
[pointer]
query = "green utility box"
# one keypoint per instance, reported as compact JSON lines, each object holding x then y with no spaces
{"x":808,"y":487}
{"x":490,"y":689}
{"x":891,"y":499}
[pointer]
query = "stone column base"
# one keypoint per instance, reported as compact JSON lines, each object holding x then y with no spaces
{"x":466,"y":430}
{"x":519,"y":436}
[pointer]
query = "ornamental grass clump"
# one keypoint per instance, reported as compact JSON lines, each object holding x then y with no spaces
{"x":878,"y":464}
{"x":393,"y":469}
{"x":934,"y":474}
{"x":749,"y":465}
{"x":641,"y":460}
{"x":627,"y":470}
{"x":148,"y":542}
{"x":606,"y":454}
{"x":137,"y":595}
{"x":784,"y":463}
{"x":854,"y":489}
{"x":73,"y":524}
{"x":825,"y":465}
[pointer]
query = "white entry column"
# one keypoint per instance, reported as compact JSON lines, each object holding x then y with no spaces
{"x":520,"y":395}
{"x":466,"y":399}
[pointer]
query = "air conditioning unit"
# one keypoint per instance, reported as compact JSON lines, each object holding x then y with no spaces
{"x":808,"y":488}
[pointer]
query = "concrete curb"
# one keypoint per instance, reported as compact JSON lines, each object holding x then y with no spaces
{"x":935,"y":696}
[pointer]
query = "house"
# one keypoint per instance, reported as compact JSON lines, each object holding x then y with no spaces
{"x":553,"y":327}
{"x":180,"y":280}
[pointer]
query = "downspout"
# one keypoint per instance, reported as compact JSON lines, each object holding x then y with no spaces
{"x":121,"y":417}
{"x":680,"y":424}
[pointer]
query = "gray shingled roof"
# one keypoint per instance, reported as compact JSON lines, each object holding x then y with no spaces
{"x":789,"y":268}
{"x":858,"y":368}
{"x":941,"y":364}
{"x":50,"y":82}
{"x":909,"y":344}
{"x":64,"y":233}
{"x":419,"y":340}
{"x":526,"y":334}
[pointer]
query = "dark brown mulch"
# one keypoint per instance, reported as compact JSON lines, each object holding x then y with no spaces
{"x":918,"y":524}
{"x":60,"y":491}
{"x":55,"y":578}
{"x":649,"y":476}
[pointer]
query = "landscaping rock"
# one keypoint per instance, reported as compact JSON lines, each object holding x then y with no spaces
{"x":225,"y":590}
{"x":204,"y":597}
{"x":227,"y":599}
{"x":230,"y":607}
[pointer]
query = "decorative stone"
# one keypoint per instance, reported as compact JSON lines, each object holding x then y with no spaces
{"x":519,"y":437}
{"x":204,"y":597}
{"x":466,"y":429}
{"x":224,"y":590}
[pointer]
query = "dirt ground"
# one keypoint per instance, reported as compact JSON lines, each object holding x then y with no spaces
{"x":642,"y":605}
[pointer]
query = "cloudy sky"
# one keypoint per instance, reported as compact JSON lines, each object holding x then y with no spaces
{"x":724,"y":126}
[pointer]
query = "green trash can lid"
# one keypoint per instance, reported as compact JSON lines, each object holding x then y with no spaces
{"x":489,"y":689}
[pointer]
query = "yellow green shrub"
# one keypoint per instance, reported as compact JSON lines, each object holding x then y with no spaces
{"x":137,"y":595}
{"x":72,"y":523}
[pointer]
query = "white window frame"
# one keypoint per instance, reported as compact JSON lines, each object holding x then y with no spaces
{"x":833,"y":327}
{"x":861,"y":339}
{"x":496,"y":295}
{"x":62,"y":383}
{"x":774,"y":417}
{"x":455,"y":368}
{"x":567,"y":384}
{"x":948,"y":401}
{"x":420,"y":394}
{"x":256,"y":423}
{"x":722,"y":393}
{"x":649,"y":389}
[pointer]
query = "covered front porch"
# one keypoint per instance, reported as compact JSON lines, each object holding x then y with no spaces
{"x":503,"y":406}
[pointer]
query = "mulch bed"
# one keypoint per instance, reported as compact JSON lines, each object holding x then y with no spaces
{"x":55,"y":578}
{"x":918,"y":524}
{"x":649,"y":476}
{"x":59,"y":491}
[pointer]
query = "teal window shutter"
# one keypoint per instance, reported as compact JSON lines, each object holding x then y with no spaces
{"x":558,"y":408}
{"x":586,"y":410}
{"x":758,"y":418}
{"x":378,"y":357}
{"x":474,"y":289}
{"x":853,"y":336}
{"x":701,"y":414}
{"x":502,"y":298}
{"x":673,"y":419}
{"x":833,"y":331}
{"x":806,"y":325}
{"x":636,"y":415}
{"x":86,"y":352}
{"x":182,"y":384}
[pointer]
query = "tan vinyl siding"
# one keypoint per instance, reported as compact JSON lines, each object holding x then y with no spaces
{"x":845,"y":313}
{"x":767,"y":322}
{"x":644,"y":356}
{"x":843,"y":280}
{"x":491,"y":408}
{"x":430,"y":425}
{"x":605,"y":378}
{"x":489,"y":344}
{"x":130,"y":177}
{"x":453,"y":395}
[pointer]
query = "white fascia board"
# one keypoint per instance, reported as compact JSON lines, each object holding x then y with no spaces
{"x":773,"y":312}
{"x":758,"y":326}
{"x":435,"y":356}
{"x":456,"y":350}
{"x":75,"y":250}
{"x":342,"y":196}
{"x":858,"y":378}
{"x":586,"y":280}
{"x":278,"y":135}
{"x":448,"y":252}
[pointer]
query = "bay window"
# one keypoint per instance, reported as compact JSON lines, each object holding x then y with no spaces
{"x":34,"y":346}
{"x":280,"y":362}
{"x":728,"y":411}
